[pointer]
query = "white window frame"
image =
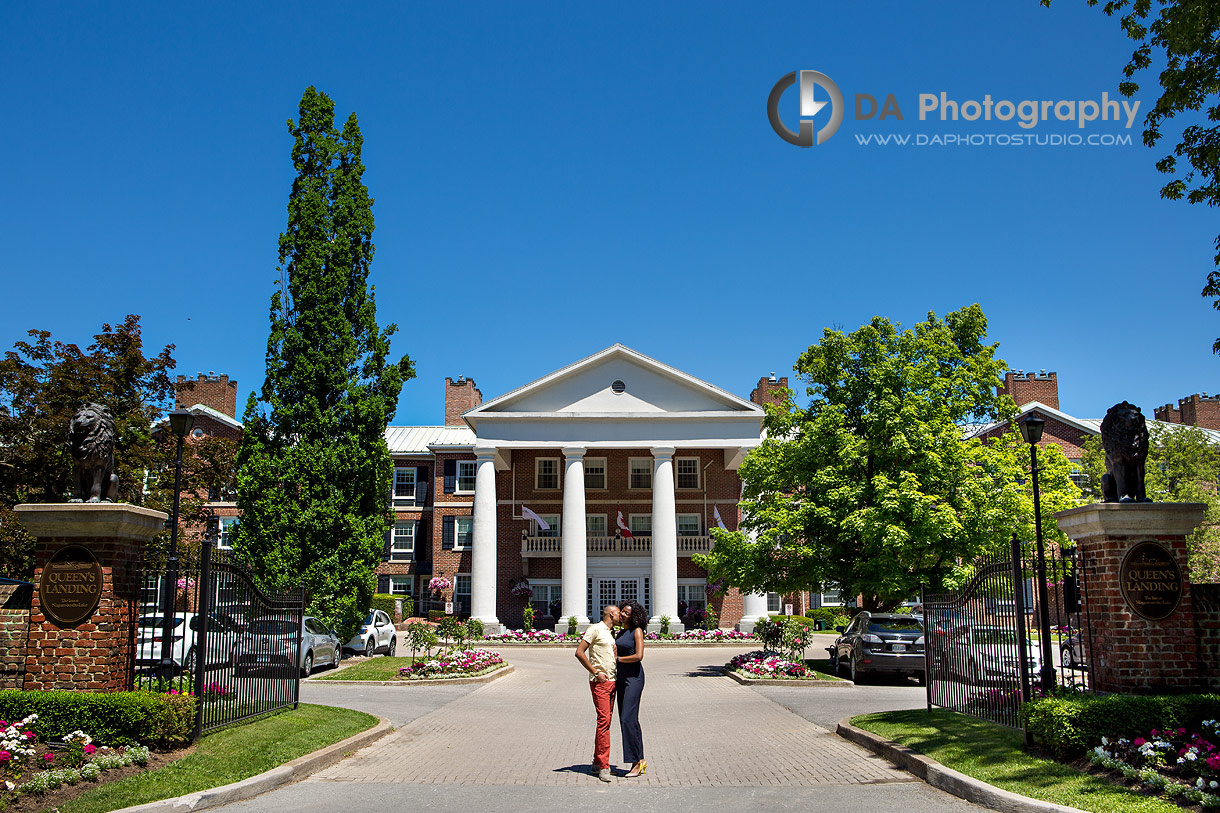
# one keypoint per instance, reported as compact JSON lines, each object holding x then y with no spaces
{"x":398,"y":581}
{"x":457,"y":582}
{"x":698,"y":524}
{"x":472,"y":465}
{"x":832,"y":599}
{"x":553,"y":589}
{"x":678,"y":461}
{"x":642,"y":531}
{"x":399,"y":552}
{"x":457,"y":533}
{"x":595,"y":461}
{"x":223,"y":526}
{"x":778,"y":601}
{"x":605,"y":529}
{"x":631,"y":473}
{"x":407,"y":499}
{"x":552,"y":520}
{"x":538,"y":461}
{"x":696,"y":586}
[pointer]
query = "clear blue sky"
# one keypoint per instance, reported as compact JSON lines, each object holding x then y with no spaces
{"x":553,"y":178}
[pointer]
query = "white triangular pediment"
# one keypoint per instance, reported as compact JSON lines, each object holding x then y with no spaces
{"x":588,"y":388}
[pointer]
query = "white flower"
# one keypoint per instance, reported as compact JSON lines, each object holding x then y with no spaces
{"x":1214,"y":784}
{"x":1105,"y":741}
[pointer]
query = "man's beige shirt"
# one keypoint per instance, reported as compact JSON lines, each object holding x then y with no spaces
{"x":602,"y":653}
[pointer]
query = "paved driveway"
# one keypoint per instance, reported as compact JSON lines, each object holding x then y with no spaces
{"x":524,"y":742}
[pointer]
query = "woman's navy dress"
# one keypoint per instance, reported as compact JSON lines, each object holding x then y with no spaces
{"x":630,"y":686}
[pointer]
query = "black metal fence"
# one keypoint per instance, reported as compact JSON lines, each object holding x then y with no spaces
{"x":984,"y":652}
{"x":237,"y":649}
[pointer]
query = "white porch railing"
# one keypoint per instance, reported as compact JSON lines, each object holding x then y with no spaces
{"x":539,"y":546}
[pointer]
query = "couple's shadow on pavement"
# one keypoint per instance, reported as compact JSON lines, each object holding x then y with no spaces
{"x":583,"y":770}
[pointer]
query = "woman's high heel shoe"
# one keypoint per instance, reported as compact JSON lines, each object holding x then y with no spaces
{"x":637,"y":770}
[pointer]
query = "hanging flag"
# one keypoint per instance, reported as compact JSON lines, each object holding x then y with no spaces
{"x":622,"y":526}
{"x":543,"y":525}
{"x":719,"y":521}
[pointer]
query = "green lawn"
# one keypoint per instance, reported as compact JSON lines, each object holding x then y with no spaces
{"x":995,"y":755}
{"x":378,"y":668}
{"x":229,"y":755}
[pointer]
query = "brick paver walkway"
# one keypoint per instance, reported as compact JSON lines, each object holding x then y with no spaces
{"x":535,"y":727}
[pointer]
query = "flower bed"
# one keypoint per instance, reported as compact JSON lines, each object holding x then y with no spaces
{"x":29,"y":767}
{"x":533,"y":636}
{"x":1172,"y":763}
{"x":715,"y":635}
{"x":767,"y":665}
{"x":455,"y":664}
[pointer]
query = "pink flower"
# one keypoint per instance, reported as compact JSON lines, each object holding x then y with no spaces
{"x":1154,"y":733}
{"x":90,"y":749}
{"x":1213,"y":762}
{"x":5,"y":756}
{"x":1139,"y":741}
{"x":29,"y":735}
{"x":48,"y":757}
{"x":1181,"y":731}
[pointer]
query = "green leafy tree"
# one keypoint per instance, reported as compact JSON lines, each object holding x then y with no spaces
{"x":313,"y":466}
{"x":1183,"y":35}
{"x":1183,"y":465}
{"x":872,"y":488}
{"x":42,"y":384}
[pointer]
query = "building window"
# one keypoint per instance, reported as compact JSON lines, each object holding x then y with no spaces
{"x":546,"y":473}
{"x":404,"y":486}
{"x":1078,"y":475}
{"x":595,"y":472}
{"x":835,"y":599}
{"x":688,"y":525}
{"x":773,"y":602}
{"x":547,"y":597}
{"x":640,"y":524}
{"x":402,"y":586}
{"x":693,"y":594}
{"x":402,"y":544}
{"x":463,"y":533}
{"x":595,"y":525}
{"x":549,"y":519}
{"x":687,"y":472}
{"x":465,"y":476}
{"x":641,"y":472}
{"x":226,"y":526}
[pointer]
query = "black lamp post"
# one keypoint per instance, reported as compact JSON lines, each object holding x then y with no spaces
{"x":1031,"y":430}
{"x":180,"y":423}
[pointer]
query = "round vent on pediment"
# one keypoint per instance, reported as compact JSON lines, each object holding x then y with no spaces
{"x":618,"y":387}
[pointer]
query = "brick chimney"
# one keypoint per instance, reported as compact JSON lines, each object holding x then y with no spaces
{"x":211,"y":390}
{"x":1197,"y":410}
{"x":769,"y":390}
{"x":1025,"y":387}
{"x":460,"y":395}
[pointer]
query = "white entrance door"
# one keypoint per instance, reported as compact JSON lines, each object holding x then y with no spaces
{"x":615,"y":590}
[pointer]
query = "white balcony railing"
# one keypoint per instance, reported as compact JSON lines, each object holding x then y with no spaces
{"x":612,"y":545}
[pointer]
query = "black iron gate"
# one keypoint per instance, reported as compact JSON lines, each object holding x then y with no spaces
{"x":985,"y":653}
{"x":237,"y":649}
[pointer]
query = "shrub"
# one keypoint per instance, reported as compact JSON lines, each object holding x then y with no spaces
{"x":474,"y":627}
{"x":527,"y":618}
{"x":1069,"y":726}
{"x":116,"y":718}
{"x":571,"y":625}
{"x":436,"y":615}
{"x":386,"y":602}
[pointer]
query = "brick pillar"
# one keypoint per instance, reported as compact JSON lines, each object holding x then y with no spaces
{"x":1131,"y":654}
{"x":95,"y":654}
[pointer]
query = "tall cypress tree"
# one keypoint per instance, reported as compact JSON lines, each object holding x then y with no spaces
{"x":313,"y":468}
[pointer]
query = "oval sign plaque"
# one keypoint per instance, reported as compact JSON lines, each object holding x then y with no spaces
{"x":1151,"y":581}
{"x":71,"y":585}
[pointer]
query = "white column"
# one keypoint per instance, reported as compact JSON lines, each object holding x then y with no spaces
{"x":753,"y":607}
{"x":483,"y":575}
{"x":573,"y":591}
{"x":664,"y":540}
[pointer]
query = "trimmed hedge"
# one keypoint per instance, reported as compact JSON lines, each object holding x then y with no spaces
{"x":115,"y":718}
{"x":385,"y":602}
{"x":1069,"y":726}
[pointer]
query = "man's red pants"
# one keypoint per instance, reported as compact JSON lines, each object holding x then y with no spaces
{"x":603,"y":701}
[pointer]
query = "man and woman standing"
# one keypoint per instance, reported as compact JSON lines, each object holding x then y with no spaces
{"x":614,"y":662}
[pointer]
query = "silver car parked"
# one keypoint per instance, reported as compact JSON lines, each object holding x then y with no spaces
{"x":272,"y":643}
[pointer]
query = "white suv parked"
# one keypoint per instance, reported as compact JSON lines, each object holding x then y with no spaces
{"x":377,"y":634}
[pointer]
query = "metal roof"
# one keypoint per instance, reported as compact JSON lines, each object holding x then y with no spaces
{"x":418,"y":439}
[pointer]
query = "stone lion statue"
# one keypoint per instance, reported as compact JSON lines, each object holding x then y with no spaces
{"x":1124,"y":436}
{"x":92,"y":435}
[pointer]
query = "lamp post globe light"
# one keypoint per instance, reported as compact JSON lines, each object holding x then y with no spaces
{"x":1031,"y":430}
{"x":180,"y":423}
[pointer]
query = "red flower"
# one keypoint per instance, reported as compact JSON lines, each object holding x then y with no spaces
{"x":90,"y":749}
{"x":49,"y":757}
